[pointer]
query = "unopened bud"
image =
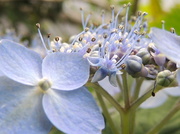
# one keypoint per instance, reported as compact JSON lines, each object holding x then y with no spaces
{"x":152,"y":71}
{"x":144,"y":72}
{"x":144,"y":55}
{"x":165,"y":78}
{"x":171,"y":66}
{"x":133,"y":64}
{"x":158,"y":57}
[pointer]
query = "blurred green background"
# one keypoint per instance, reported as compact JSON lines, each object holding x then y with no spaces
{"x":63,"y":18}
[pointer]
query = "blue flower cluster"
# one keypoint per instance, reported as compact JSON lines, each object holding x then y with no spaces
{"x":109,"y":45}
{"x":37,"y":93}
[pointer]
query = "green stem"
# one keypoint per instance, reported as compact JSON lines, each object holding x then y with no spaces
{"x":132,"y":120}
{"x":119,"y":82}
{"x":135,"y":7}
{"x":139,"y":82}
{"x":135,"y":95}
{"x":161,"y":124}
{"x":106,"y":113}
{"x":125,"y":91}
{"x":107,"y":96}
{"x":125,"y":122}
{"x":145,"y":96}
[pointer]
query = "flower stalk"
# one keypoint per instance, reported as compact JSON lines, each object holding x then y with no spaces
{"x":125,"y":91}
{"x":106,"y":113}
{"x":106,"y":95}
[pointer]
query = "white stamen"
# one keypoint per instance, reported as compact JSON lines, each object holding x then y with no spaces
{"x":40,"y":35}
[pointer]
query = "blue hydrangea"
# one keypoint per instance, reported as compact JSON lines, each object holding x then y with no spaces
{"x":38,"y":93}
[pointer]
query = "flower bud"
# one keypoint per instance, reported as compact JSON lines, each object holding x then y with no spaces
{"x":165,"y":78}
{"x":160,"y":59}
{"x":152,"y":71}
{"x":144,"y":55}
{"x":171,"y":66}
{"x":133,"y":64}
{"x":144,"y":72}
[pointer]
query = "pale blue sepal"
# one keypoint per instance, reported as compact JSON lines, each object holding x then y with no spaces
{"x":173,"y":91}
{"x":19,"y":63}
{"x":152,"y":102}
{"x":1,"y":73}
{"x":156,"y":101}
{"x":73,"y":112}
{"x":66,"y":71}
{"x":167,"y":42}
{"x":21,"y":110}
{"x":100,"y":74}
{"x":113,"y":79}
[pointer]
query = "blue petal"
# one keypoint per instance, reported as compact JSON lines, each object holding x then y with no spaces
{"x":100,"y":74}
{"x":1,"y":73}
{"x":173,"y":91}
{"x":113,"y":79}
{"x":21,"y":109}
{"x":167,"y":43}
{"x":66,"y":71}
{"x":73,"y":112}
{"x":19,"y":63}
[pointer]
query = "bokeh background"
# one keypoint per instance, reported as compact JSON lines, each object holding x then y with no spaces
{"x":63,"y":18}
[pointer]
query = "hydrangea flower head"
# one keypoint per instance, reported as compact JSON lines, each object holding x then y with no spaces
{"x":114,"y":43}
{"x":38,"y":93}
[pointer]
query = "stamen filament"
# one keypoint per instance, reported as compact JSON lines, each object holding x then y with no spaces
{"x":126,"y":18}
{"x":40,"y":35}
{"x":82,"y":18}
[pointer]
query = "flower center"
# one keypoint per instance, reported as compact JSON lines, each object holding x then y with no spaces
{"x":44,"y":85}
